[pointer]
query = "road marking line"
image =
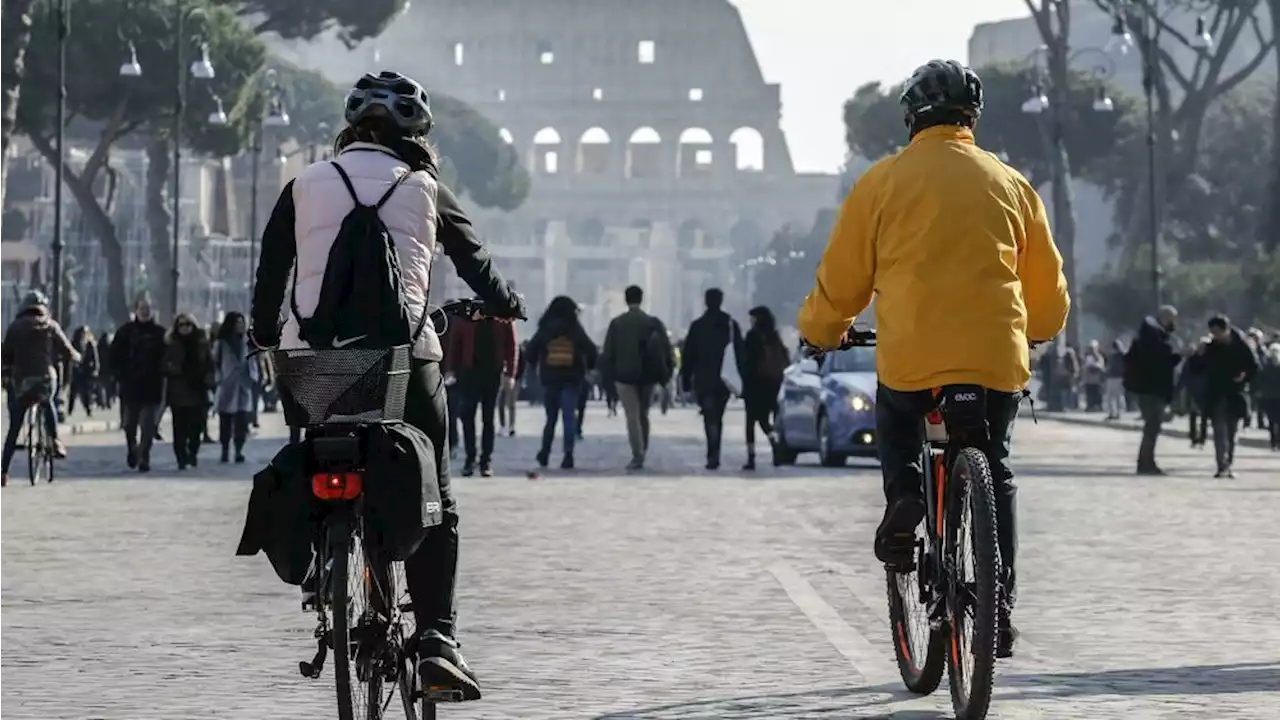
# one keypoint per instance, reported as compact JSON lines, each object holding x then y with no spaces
{"x":865,"y":658}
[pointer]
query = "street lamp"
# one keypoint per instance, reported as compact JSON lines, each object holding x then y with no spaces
{"x":64,"y":28}
{"x":1151,"y":21}
{"x":273,"y":114}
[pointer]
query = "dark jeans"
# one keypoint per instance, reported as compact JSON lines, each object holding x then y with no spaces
{"x":712,"y":404}
{"x":81,"y":388}
{"x":561,"y":401}
{"x":1271,"y":409}
{"x":453,"y":398}
{"x":138,"y":418}
{"x":1226,"y":423}
{"x":584,"y":394}
{"x":188,"y":431}
{"x":233,"y":427}
{"x":17,"y":416}
{"x":900,"y":434}
{"x":481,"y":393}
{"x":431,"y":572}
{"x":1152,"y":409}
{"x":760,"y":411}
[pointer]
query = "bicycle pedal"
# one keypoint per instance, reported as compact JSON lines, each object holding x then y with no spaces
{"x":440,"y":693}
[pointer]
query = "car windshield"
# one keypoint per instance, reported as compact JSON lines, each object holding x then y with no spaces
{"x":855,"y":359}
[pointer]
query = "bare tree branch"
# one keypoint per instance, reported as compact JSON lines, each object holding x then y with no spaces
{"x":108,"y":137}
{"x":1230,"y":82}
{"x":1168,"y":63}
{"x":45,"y":147}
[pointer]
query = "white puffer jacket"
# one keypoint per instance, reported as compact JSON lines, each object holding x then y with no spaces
{"x":321,"y":202}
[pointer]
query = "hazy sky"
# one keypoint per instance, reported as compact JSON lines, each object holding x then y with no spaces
{"x":821,"y":50}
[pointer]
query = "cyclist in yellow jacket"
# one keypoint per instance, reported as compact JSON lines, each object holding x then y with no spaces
{"x":955,"y":247}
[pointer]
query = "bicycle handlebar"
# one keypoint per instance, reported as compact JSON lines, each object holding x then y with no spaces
{"x":853,"y":337}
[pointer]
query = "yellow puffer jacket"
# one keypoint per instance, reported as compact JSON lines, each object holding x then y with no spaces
{"x":956,"y":248}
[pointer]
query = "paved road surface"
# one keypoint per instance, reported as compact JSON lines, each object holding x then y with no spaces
{"x":676,"y":595}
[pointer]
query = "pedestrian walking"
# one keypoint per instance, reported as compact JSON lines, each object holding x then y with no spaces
{"x":1149,"y":374}
{"x":83,"y":375}
{"x":237,"y":375}
{"x":711,"y":338}
{"x":1093,"y":373}
{"x":106,"y":382}
{"x":1258,"y":345}
{"x":1193,"y":382}
{"x":1113,"y":399}
{"x":189,"y":375}
{"x":481,"y":355}
{"x":763,"y":362}
{"x":1267,"y":385}
{"x":636,"y":358}
{"x":509,"y":394}
{"x":137,"y":358}
{"x":563,"y":355}
{"x":1230,"y":365}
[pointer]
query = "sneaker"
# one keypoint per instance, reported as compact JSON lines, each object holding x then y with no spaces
{"x":635,"y":464}
{"x":239,"y":458}
{"x":443,"y":670}
{"x":59,"y":449}
{"x":144,"y":466}
{"x":1151,"y":470}
{"x":131,"y":459}
{"x":567,"y":463}
{"x":543,"y":458}
{"x":750,"y":464}
{"x":486,"y":469}
{"x":469,"y":468}
{"x":226,"y":455}
{"x":4,"y":480}
{"x":896,"y":536}
{"x":1006,"y":639}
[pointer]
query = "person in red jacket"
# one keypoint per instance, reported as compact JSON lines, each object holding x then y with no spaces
{"x":480,"y":354}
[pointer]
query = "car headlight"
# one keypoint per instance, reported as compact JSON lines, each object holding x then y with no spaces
{"x":858,"y":403}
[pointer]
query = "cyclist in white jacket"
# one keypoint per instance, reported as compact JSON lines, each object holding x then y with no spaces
{"x":388,"y":118}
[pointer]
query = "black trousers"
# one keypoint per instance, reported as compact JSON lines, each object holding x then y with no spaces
{"x":431,"y":572}
{"x":760,"y":411}
{"x":233,"y":427}
{"x":140,"y":421}
{"x":900,"y":437}
{"x":712,"y":403}
{"x":481,"y":393}
{"x":188,"y":431}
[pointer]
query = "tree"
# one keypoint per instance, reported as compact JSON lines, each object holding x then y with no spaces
{"x":355,"y":20}
{"x":873,"y":125}
{"x":1271,"y":237}
{"x":121,"y":106}
{"x":477,"y":162}
{"x":1183,"y":96}
{"x":784,"y":271}
{"x":15,"y":36}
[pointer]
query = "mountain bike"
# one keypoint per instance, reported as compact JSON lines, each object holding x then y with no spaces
{"x":363,"y":614}
{"x":952,"y":588}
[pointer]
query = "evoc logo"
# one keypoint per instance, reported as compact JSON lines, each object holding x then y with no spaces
{"x":965,"y":397}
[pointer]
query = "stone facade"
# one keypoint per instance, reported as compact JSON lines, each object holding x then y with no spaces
{"x":651,"y":135}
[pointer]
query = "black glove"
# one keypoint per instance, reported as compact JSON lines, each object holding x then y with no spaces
{"x":514,"y":308}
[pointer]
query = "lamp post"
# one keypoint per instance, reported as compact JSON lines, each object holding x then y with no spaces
{"x":64,"y":28}
{"x":1052,"y":73}
{"x":273,"y":114}
{"x":1151,"y":19}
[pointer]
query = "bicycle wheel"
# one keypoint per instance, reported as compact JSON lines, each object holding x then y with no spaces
{"x":348,"y":575}
{"x":918,"y":647}
{"x":974,"y":560}
{"x":37,"y":446}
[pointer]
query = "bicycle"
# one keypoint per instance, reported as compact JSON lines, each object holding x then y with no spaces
{"x":960,"y":609}
{"x":363,"y":614}
{"x":37,"y":440}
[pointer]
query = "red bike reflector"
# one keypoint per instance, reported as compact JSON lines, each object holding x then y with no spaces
{"x":934,"y":417}
{"x":337,"y":486}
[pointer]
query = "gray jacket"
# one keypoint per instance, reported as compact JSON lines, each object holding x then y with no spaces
{"x":237,"y":376}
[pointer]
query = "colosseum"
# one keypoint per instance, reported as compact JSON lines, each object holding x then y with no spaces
{"x":651,"y":135}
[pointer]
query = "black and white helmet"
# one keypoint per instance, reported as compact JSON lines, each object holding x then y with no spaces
{"x":396,"y":97}
{"x":942,"y":85}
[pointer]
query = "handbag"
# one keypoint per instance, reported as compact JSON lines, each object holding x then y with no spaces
{"x":729,"y":373}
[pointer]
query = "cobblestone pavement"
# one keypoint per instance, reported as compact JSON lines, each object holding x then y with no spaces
{"x":676,"y":594}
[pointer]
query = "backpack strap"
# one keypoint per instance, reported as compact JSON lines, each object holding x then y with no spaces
{"x":346,"y":180}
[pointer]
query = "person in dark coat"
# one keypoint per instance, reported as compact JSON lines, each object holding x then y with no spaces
{"x":1149,"y":374}
{"x":188,"y":369}
{"x":701,"y":363}
{"x":481,"y":355}
{"x":1193,"y":383}
{"x":137,"y":358}
{"x":564,"y":355}
{"x":763,"y":362}
{"x":84,"y":375}
{"x":1267,"y":384}
{"x":1230,"y":365}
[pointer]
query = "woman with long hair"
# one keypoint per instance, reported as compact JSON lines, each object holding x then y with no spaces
{"x":188,"y":371}
{"x":383,"y":153}
{"x":237,"y":374}
{"x":564,"y":355}
{"x":765,"y":360}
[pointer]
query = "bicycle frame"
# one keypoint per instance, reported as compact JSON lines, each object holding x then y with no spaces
{"x":932,"y":575}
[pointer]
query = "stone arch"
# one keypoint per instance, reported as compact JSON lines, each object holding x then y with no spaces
{"x":589,"y":231}
{"x":644,"y":153}
{"x":693,"y":153}
{"x":594,"y":150}
{"x":546,"y":151}
{"x":748,"y":149}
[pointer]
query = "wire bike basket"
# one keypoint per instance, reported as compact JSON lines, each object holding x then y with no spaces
{"x":342,"y":385}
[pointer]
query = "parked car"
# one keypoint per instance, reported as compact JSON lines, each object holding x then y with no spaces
{"x":829,"y":408}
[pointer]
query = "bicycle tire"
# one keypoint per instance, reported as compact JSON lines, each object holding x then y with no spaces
{"x":972,"y":489}
{"x":37,"y":445}
{"x":920,"y":675}
{"x":340,"y":629}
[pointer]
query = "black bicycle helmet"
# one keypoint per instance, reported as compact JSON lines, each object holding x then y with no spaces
{"x":942,"y":85}
{"x":393,"y":96}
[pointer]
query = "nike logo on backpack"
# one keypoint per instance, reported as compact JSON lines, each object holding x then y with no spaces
{"x":347,"y":341}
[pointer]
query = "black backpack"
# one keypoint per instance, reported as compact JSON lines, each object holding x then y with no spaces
{"x":362,"y":302}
